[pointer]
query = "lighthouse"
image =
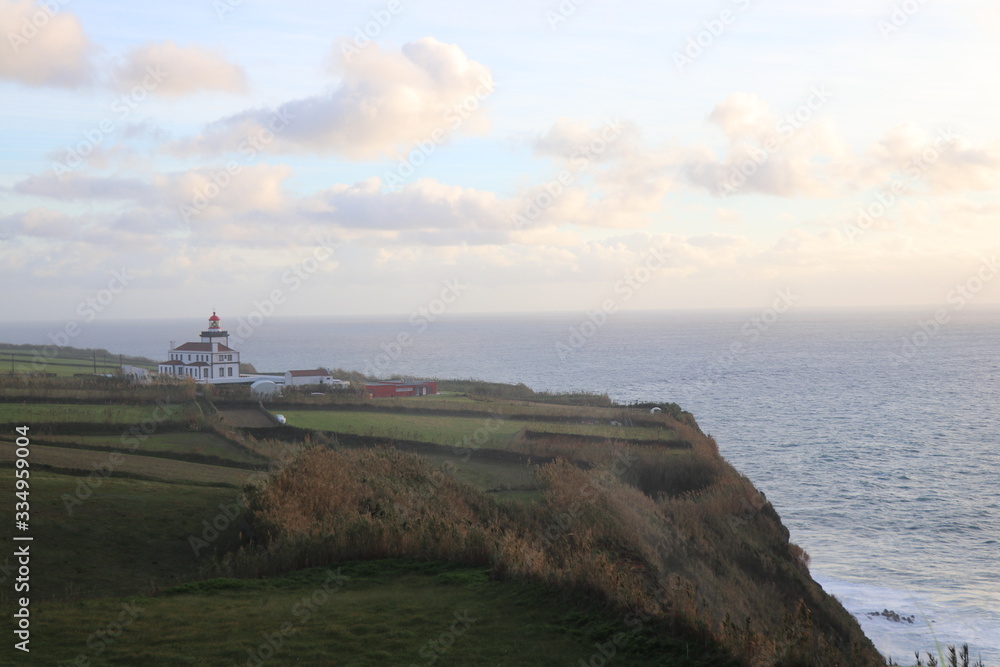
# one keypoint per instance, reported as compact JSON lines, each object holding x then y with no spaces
{"x":214,"y":333}
{"x":210,"y":360}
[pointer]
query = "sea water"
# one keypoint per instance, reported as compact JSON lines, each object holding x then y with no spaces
{"x":876,"y":435}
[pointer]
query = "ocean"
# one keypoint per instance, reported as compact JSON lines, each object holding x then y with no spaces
{"x":875,"y":434}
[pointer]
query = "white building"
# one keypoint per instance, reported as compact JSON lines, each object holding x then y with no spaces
{"x":319,"y":376}
{"x":210,"y":360}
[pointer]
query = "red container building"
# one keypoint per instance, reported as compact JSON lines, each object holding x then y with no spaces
{"x":399,"y":388}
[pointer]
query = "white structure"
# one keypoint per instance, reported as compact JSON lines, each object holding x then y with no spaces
{"x":265,"y":389}
{"x":135,"y":373}
{"x":210,"y":360}
{"x":320,"y":376}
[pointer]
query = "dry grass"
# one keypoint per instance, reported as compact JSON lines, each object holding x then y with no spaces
{"x":713,"y":561}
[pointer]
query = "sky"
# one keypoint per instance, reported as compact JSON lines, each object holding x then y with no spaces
{"x":311,"y":159}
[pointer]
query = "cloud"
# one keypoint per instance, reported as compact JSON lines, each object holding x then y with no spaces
{"x":385,"y":102}
{"x":219,"y":194}
{"x":74,"y":187}
{"x":38,"y":223}
{"x":767,"y":154}
{"x":43,"y":48}
{"x":572,"y":140}
{"x":743,"y":115}
{"x":425,"y":205}
{"x":183,"y":70}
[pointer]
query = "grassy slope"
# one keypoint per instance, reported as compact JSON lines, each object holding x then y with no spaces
{"x":88,"y":461}
{"x":126,"y":536}
{"x":131,"y":535}
{"x":368,"y":613}
{"x":64,"y":361}
{"x":43,"y":413}
{"x":202,"y":444}
{"x":459,"y":431}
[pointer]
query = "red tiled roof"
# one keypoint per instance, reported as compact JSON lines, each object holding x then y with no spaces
{"x":172,"y":362}
{"x":307,"y":374}
{"x":201,"y":347}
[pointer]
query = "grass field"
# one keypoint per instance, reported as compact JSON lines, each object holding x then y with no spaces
{"x":494,"y":433}
{"x":97,"y":567}
{"x":458,"y":401}
{"x":126,"y":536}
{"x":367,"y":614}
{"x":643,"y":536}
{"x":44,"y":413}
{"x":507,"y":480}
{"x":63,"y":361}
{"x":86,"y":461}
{"x":204,"y":444}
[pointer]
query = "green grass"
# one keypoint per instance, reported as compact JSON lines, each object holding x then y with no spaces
{"x":425,"y":428}
{"x":86,"y":461}
{"x":503,"y":478}
{"x":383,"y":613}
{"x":127,"y":535}
{"x":204,"y":444}
{"x":645,"y":433}
{"x":63,"y":361}
{"x":46,"y":413}
{"x":448,"y":430}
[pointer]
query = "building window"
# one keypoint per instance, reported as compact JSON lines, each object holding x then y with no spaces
{"x":230,"y":371}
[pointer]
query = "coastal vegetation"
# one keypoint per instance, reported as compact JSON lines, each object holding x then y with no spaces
{"x":487,"y":525}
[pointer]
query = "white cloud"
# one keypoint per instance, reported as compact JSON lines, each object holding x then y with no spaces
{"x":79,"y":187}
{"x":185,"y":70}
{"x":384,"y":103}
{"x":742,"y":115}
{"x":42,"y":48}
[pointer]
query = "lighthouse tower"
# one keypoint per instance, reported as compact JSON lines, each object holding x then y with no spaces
{"x":214,"y":333}
{"x":210,"y":361}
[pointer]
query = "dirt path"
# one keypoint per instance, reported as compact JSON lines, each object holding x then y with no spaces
{"x":246,"y":417}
